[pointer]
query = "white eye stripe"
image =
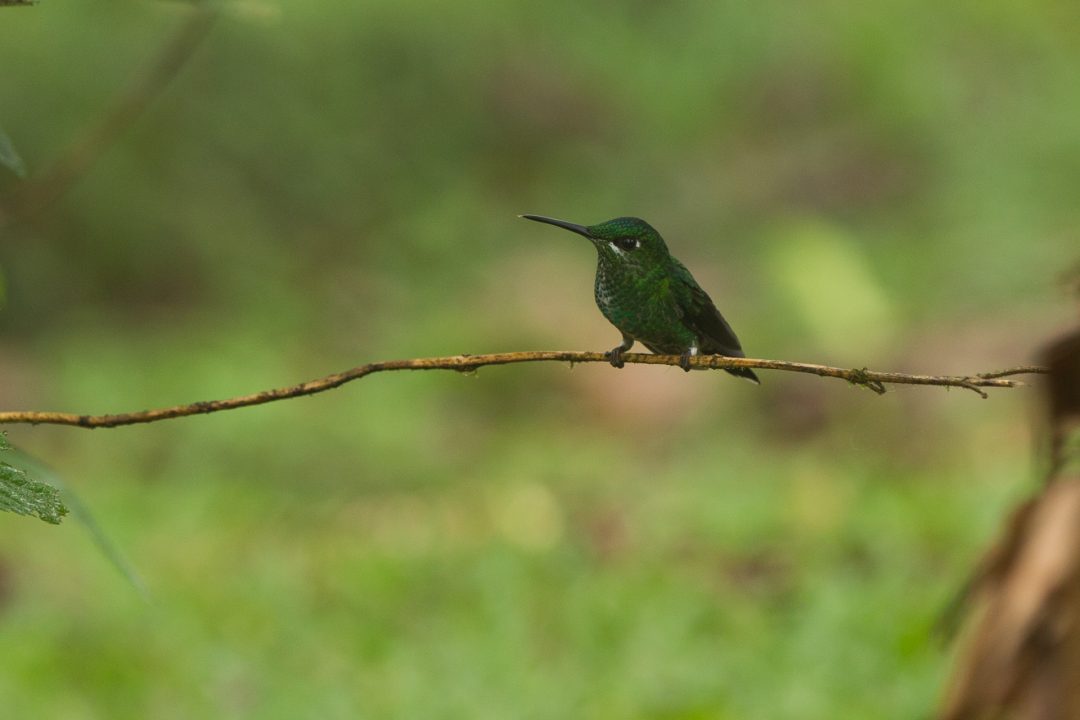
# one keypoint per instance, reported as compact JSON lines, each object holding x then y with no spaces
{"x":615,"y":246}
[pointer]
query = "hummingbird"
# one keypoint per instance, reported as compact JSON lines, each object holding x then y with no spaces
{"x":651,"y":297}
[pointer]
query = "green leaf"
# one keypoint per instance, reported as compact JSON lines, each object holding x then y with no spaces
{"x":21,"y":494}
{"x":9,"y":157}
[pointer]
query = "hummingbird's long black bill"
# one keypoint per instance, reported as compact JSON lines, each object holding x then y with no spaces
{"x":572,"y":227}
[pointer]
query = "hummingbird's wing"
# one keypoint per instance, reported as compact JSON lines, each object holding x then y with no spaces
{"x":700,"y":315}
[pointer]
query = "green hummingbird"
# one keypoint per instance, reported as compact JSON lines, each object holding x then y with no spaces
{"x":651,"y":297}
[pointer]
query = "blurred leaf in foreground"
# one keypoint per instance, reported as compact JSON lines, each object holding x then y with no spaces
{"x":22,"y":495}
{"x":9,"y":158}
{"x":81,"y":513}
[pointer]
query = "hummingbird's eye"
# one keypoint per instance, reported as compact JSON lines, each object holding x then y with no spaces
{"x":627,"y":244}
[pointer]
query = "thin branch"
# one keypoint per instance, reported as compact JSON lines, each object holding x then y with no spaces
{"x":1022,"y":370}
{"x":17,"y":3}
{"x":874,"y":380}
{"x":41,"y":192}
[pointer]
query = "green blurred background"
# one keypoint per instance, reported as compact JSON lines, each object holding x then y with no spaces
{"x":890,"y":184}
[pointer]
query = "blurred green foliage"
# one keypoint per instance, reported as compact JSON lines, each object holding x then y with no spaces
{"x":888,"y":184}
{"x":9,"y":156}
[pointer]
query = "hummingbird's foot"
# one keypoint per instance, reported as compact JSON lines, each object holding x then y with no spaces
{"x":614,"y":356}
{"x":684,"y":360}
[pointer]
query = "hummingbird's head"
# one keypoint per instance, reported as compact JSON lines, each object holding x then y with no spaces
{"x":627,"y":241}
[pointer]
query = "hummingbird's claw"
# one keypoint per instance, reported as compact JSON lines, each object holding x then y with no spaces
{"x":684,"y":361}
{"x":614,"y":356}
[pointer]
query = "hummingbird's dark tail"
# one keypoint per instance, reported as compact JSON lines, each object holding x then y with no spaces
{"x":745,"y":374}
